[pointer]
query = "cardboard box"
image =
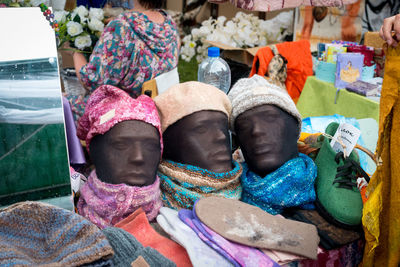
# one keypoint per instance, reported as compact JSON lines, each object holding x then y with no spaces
{"x":242,"y":55}
{"x":373,"y":39}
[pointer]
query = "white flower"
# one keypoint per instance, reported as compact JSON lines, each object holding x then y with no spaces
{"x":74,"y":28}
{"x":81,"y":11}
{"x":83,"y":41}
{"x":221,"y":20}
{"x":187,"y":38}
{"x":196,"y":34}
{"x":96,"y":25}
{"x":60,"y":16}
{"x":96,"y":13}
{"x":205,"y":30}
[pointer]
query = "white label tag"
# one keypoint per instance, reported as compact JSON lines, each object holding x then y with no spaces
{"x":75,"y":182}
{"x":346,"y":135}
{"x":166,"y":80}
{"x":108,"y":116}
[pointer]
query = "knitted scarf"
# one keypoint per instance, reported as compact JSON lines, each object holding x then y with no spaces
{"x":289,"y":186}
{"x":106,"y":204}
{"x":182,"y":185}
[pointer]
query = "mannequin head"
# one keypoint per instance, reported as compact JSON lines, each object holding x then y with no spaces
{"x":200,"y":139}
{"x":268,"y":137}
{"x":128,"y":153}
{"x":266,"y":122}
{"x":122,"y":135}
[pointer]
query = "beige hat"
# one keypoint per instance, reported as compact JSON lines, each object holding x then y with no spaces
{"x":248,"y":93}
{"x":187,"y":98}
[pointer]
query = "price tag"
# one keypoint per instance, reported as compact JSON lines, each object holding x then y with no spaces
{"x":345,"y":138}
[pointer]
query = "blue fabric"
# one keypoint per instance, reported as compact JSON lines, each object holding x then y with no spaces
{"x":182,"y":184}
{"x":289,"y":186}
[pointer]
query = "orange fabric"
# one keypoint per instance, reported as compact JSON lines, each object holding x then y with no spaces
{"x":299,"y":66}
{"x":137,"y":225}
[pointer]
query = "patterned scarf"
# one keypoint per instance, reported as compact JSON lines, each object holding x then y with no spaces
{"x":106,"y":204}
{"x":289,"y":186}
{"x":182,"y":185}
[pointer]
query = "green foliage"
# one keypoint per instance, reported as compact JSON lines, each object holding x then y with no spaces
{"x":187,"y":70}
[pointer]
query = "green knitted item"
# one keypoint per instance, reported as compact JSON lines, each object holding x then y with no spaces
{"x":338,"y":198}
{"x":127,"y":249}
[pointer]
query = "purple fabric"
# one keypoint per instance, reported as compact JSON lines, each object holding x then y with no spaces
{"x":238,"y":254}
{"x":75,"y":151}
{"x":107,"y":204}
{"x":186,"y":216}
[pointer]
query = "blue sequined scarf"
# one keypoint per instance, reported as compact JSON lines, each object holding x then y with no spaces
{"x":289,"y":186}
{"x":181,"y":184}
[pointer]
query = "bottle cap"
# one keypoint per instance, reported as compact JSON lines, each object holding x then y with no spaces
{"x":213,"y":51}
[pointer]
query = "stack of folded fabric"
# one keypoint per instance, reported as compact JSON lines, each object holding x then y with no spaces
{"x":138,"y":225}
{"x":238,"y":234}
{"x":129,"y":252}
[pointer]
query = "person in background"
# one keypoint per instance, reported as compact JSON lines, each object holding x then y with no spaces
{"x":391,"y":25}
{"x":135,"y":47}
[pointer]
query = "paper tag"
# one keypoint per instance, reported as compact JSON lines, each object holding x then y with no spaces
{"x":77,"y":181}
{"x":108,"y":116}
{"x":348,"y":135}
{"x":166,"y":80}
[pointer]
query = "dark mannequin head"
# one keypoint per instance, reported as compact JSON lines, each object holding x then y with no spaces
{"x":268,"y":137}
{"x":128,"y":153}
{"x":200,"y":139}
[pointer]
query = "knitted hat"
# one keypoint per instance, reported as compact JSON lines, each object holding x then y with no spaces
{"x":248,"y":93}
{"x":127,"y":249}
{"x":109,"y":105}
{"x":36,"y":234}
{"x":186,"y":98}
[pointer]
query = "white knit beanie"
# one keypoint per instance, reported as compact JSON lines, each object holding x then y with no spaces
{"x":248,"y":93}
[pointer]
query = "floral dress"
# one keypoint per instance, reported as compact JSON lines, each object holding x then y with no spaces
{"x":131,"y":50}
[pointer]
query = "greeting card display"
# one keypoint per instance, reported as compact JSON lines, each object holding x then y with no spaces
{"x":348,"y":68}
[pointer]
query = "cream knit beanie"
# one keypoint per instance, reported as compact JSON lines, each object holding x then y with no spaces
{"x":187,"y":98}
{"x":248,"y":93}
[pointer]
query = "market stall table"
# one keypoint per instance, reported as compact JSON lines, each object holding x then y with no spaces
{"x":318,"y":99}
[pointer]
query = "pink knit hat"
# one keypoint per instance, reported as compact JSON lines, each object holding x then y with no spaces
{"x":109,"y":105}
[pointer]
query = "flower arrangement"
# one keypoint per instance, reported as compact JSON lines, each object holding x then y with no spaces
{"x":242,"y":31}
{"x":81,"y":28}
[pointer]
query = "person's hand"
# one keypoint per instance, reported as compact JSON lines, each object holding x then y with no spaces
{"x":68,"y":49}
{"x":391,"y":24}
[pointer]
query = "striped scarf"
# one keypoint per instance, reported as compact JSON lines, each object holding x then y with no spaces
{"x":182,"y":184}
{"x":106,"y":204}
{"x":289,"y":186}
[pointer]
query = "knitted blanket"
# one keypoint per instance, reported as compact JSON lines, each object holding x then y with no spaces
{"x":106,"y":204}
{"x":181,"y":184}
{"x":289,"y":186}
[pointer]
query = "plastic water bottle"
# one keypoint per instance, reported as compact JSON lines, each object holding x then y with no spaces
{"x":215,"y":71}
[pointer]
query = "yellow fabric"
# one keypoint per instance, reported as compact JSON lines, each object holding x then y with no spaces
{"x":304,"y":135}
{"x":381,"y":214}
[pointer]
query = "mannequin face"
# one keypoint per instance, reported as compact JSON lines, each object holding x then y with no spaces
{"x":128,"y":153}
{"x":200,"y":139}
{"x":267,"y":136}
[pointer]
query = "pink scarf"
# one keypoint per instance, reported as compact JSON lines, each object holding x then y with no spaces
{"x":106,"y":204}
